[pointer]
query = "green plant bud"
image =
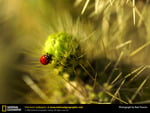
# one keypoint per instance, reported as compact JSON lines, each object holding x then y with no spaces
{"x":60,"y":45}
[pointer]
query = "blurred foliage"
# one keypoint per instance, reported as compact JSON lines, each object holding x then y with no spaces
{"x":114,"y":43}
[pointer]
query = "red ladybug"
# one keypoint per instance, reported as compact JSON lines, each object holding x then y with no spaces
{"x":45,"y":59}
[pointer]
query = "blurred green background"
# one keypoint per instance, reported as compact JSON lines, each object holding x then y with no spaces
{"x":106,"y":30}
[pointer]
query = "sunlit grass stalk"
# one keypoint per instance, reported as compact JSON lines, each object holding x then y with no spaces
{"x":113,"y":96}
{"x":138,"y":73}
{"x":35,"y":88}
{"x":85,"y":6}
{"x":115,"y":66}
{"x":117,"y":91}
{"x":139,"y":88}
{"x":134,"y":71}
{"x":139,"y":49}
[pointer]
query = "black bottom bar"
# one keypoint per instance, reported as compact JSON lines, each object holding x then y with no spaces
{"x":82,"y":108}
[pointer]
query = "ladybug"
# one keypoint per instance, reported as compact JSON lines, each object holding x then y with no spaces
{"x":45,"y":59}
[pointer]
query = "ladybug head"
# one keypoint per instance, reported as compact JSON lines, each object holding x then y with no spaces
{"x":45,"y":59}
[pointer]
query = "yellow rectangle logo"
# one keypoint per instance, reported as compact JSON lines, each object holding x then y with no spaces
{"x":3,"y":108}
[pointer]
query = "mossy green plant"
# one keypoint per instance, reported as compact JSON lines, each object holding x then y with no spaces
{"x":59,"y":45}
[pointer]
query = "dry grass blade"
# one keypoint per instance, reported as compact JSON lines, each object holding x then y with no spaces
{"x":95,"y":102}
{"x":124,"y":44}
{"x":107,"y":66}
{"x":116,"y":78}
{"x":95,"y":80}
{"x":116,"y":97}
{"x":83,"y":93}
{"x":35,"y":88}
{"x":133,"y":2}
{"x":85,"y":6}
{"x":115,"y":66}
{"x":134,"y":71}
{"x":140,"y":71}
{"x":117,"y":91}
{"x":143,"y":102}
{"x":139,"y":49}
{"x":110,"y":2}
{"x":139,"y":88}
{"x":86,"y":71}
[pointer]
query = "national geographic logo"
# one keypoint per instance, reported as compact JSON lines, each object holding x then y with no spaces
{"x":3,"y":108}
{"x":10,"y":108}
